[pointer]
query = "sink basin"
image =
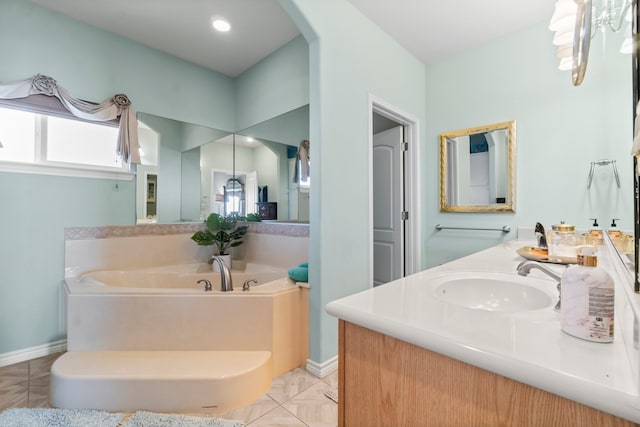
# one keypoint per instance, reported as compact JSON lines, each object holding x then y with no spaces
{"x":495,"y":292}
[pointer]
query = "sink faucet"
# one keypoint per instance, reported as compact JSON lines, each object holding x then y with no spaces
{"x":226,"y":284}
{"x":524,"y":268}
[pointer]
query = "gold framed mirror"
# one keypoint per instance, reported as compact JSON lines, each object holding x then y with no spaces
{"x":477,"y":169}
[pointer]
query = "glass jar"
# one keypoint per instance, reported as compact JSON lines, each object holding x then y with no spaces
{"x":562,"y":241}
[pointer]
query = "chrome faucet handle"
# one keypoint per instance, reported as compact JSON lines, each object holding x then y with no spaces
{"x":248,"y":283}
{"x":207,"y":284}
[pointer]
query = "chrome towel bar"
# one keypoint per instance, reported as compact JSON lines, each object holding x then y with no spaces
{"x":504,"y":229}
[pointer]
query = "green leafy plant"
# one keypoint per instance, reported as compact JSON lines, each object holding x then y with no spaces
{"x":222,"y":231}
{"x":253,"y":217}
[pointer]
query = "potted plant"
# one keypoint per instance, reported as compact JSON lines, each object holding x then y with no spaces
{"x":222,"y":231}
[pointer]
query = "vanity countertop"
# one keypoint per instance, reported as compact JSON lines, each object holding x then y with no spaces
{"x":526,"y":346}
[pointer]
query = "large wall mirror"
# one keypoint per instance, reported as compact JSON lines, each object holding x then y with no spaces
{"x":189,"y":171}
{"x":477,"y":169}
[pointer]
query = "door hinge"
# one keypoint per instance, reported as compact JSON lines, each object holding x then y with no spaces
{"x":405,"y":146}
{"x":404,"y":215}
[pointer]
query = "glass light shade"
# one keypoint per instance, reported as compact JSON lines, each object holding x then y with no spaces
{"x":627,"y":46}
{"x":565,"y":51}
{"x":565,"y":22}
{"x":562,"y":38}
{"x":564,"y":9}
{"x":566,"y":64}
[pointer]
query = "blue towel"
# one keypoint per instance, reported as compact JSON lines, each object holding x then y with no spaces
{"x":299,"y":274}
{"x":304,"y":264}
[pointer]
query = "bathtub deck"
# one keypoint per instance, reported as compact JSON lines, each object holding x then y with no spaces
{"x":159,"y":380}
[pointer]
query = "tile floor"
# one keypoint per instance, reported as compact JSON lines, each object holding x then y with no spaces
{"x":294,"y":399}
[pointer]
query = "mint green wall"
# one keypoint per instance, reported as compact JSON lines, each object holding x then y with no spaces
{"x":35,"y":211}
{"x":168,"y":199}
{"x":561,"y":129}
{"x":94,"y":65}
{"x":350,"y":58}
{"x":276,"y":85}
{"x":289,"y":128}
{"x":190,"y":185}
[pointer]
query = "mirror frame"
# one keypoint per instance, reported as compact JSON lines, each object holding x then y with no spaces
{"x":510,"y":126}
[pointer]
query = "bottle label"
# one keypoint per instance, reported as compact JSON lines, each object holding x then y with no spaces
{"x":601,"y":309}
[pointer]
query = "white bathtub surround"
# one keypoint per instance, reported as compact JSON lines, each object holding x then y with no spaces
{"x":135,"y":298}
{"x":527,"y":346}
{"x":182,"y":380}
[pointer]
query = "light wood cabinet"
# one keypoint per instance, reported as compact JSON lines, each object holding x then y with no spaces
{"x":387,"y":382}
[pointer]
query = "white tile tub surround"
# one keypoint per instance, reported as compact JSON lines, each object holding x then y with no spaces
{"x":142,"y":246}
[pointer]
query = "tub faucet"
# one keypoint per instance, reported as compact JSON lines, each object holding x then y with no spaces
{"x":524,"y":268}
{"x":207,"y":284}
{"x":226,"y":284}
{"x":248,"y":283}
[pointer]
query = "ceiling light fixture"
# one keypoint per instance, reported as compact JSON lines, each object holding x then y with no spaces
{"x":221,"y":24}
{"x":575,"y":23}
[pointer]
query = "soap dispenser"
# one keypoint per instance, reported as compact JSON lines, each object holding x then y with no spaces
{"x":594,"y":237}
{"x":614,"y":231}
{"x":587,"y":299}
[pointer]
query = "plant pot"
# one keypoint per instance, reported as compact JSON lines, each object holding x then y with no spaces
{"x":225,"y":258}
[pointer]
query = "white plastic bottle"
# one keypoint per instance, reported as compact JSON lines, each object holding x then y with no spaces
{"x":587,"y":299}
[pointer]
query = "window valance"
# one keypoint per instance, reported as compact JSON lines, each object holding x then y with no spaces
{"x":112,"y":108}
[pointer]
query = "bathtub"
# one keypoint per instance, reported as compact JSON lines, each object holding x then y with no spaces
{"x":117,"y":316}
{"x":179,"y":278}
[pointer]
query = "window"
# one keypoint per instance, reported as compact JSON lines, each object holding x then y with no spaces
{"x":40,"y":139}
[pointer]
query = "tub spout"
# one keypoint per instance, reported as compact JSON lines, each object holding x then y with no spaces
{"x":226,"y":284}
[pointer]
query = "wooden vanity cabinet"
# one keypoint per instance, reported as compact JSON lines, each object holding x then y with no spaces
{"x":387,"y":382}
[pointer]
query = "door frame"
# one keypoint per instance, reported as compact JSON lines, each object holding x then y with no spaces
{"x":412,"y":252}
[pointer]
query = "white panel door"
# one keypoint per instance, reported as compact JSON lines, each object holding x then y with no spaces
{"x":251,"y":192}
{"x":388,"y":234}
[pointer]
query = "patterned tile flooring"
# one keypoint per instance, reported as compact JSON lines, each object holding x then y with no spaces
{"x":294,"y":399}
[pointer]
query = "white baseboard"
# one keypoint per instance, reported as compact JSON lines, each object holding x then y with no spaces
{"x":321,"y":370}
{"x":32,"y":352}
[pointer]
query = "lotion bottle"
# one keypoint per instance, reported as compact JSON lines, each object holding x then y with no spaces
{"x":587,"y":299}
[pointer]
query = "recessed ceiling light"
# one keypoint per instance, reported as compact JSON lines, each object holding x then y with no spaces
{"x":221,"y":24}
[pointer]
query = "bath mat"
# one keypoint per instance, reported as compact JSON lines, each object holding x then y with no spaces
{"x":332,"y":394}
{"x":53,"y":417}
{"x":152,"y":419}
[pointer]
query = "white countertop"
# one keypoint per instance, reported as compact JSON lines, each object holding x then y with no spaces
{"x":526,"y":346}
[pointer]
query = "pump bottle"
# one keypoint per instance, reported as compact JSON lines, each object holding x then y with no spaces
{"x":587,"y":299}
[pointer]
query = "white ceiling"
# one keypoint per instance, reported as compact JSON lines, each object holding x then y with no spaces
{"x":430,"y":29}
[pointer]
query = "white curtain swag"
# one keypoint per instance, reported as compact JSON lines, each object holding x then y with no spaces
{"x":112,"y":108}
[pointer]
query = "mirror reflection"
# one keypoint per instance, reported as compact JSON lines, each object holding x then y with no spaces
{"x":477,"y":169}
{"x":198,"y":170}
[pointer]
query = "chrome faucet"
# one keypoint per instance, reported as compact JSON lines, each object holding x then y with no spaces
{"x":226,"y":284}
{"x":524,"y":268}
{"x":207,"y":284}
{"x":248,"y":283}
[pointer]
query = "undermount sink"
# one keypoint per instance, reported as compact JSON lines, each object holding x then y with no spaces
{"x":494,"y":292}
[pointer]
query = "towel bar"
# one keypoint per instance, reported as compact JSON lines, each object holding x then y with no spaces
{"x":504,"y":229}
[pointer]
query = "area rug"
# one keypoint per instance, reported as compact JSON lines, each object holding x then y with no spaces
{"x":148,"y":419}
{"x":52,"y":417}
